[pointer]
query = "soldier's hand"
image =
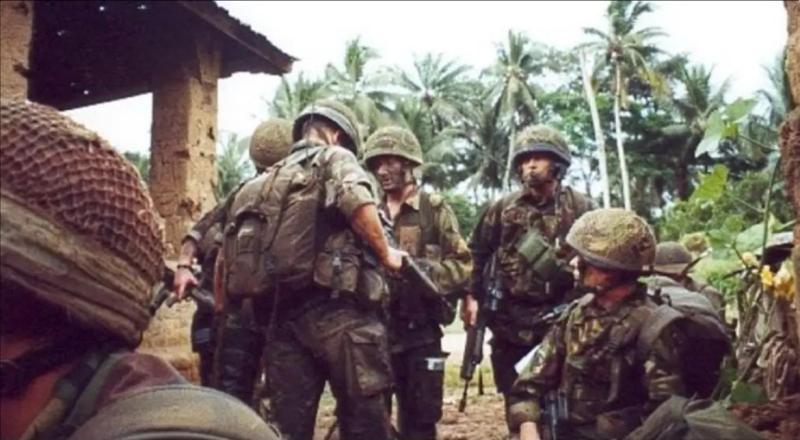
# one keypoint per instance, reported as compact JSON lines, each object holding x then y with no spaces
{"x":469,"y":310}
{"x":394,"y":259}
{"x":184,"y":278}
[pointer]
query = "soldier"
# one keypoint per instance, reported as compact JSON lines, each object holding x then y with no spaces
{"x":523,"y":232}
{"x":589,"y":370}
{"x":241,"y":339}
{"x":295,"y":235}
{"x":425,"y":227}
{"x":82,"y":251}
{"x":673,"y":263}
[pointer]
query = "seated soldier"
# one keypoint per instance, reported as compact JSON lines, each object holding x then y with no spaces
{"x":673,"y":263}
{"x":589,"y":365}
{"x":81,"y":252}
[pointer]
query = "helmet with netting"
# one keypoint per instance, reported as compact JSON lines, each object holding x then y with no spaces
{"x":541,"y":139}
{"x":336,"y":113}
{"x":270,"y":142}
{"x":79,"y":228}
{"x":393,"y":141}
{"x":672,"y":258}
{"x":613,"y":238}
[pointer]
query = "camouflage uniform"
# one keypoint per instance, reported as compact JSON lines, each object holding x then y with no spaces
{"x":81,"y":208}
{"x":240,"y":345}
{"x":427,"y":229}
{"x":591,"y":357}
{"x":321,"y":336}
{"x":499,"y":231}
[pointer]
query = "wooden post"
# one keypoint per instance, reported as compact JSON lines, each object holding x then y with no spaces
{"x":16,"y":23}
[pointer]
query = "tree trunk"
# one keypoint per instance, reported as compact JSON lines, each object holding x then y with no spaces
{"x":599,"y":138}
{"x":623,"y":167}
{"x":509,"y":159}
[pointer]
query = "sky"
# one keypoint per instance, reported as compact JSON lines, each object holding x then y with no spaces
{"x":736,"y":38}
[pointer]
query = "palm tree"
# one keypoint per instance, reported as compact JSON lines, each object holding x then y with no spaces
{"x":627,"y":52}
{"x":291,"y":98}
{"x":233,"y":164}
{"x":779,"y":96}
{"x":355,"y":87}
{"x":599,"y":138}
{"x":515,"y":97}
{"x":440,"y":85}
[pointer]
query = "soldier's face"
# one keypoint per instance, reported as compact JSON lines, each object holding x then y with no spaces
{"x":536,"y":170}
{"x":393,"y":172}
{"x":592,"y":278}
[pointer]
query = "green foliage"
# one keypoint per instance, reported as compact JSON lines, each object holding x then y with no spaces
{"x":711,"y":185}
{"x":141,"y":162}
{"x":233,"y":165}
{"x":465,"y":212}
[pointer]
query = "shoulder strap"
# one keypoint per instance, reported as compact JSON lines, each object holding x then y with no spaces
{"x":662,"y":316}
{"x":430,"y":232}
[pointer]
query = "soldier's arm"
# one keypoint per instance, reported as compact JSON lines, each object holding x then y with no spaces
{"x":452,"y":272}
{"x":662,"y":368}
{"x":191,"y":246}
{"x":541,"y":375}
{"x":347,"y":189}
{"x":484,"y":241}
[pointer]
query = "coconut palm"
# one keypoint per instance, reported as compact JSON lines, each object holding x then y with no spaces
{"x":628,"y":51}
{"x":778,"y":96}
{"x":233,"y":164}
{"x":292,"y":97}
{"x":356,"y":87}
{"x":518,"y":60}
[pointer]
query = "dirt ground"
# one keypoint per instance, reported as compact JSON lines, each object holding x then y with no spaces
{"x":776,"y":420}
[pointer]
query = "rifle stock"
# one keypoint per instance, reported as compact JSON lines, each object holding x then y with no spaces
{"x":203,"y":298}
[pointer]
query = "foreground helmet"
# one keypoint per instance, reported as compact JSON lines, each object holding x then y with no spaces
{"x":613,"y":238}
{"x":335,"y":112}
{"x":672,"y":258}
{"x":270,"y":142}
{"x":393,"y":141}
{"x":78,"y":226}
{"x":541,"y":139}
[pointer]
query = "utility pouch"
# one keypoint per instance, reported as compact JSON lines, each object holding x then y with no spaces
{"x":338,"y":266}
{"x":538,"y":253}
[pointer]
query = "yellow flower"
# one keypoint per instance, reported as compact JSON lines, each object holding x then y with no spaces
{"x":767,"y":277}
{"x":784,"y":286}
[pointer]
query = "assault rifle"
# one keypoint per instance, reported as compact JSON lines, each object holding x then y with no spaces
{"x":202,"y":297}
{"x":473,"y":349}
{"x":555,"y":411}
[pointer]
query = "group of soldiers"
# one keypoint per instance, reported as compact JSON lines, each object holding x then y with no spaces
{"x":307,"y":265}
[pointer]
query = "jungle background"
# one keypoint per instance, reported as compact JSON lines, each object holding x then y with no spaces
{"x":653,"y":131}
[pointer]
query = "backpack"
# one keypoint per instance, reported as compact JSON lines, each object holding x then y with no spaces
{"x":679,"y":418}
{"x":707,"y":337}
{"x":271,"y":235}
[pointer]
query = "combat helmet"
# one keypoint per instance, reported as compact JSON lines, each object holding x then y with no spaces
{"x":393,"y":141}
{"x":613,"y":238}
{"x":271,"y":142}
{"x":541,"y":139}
{"x":672,"y":258}
{"x":79,"y":230}
{"x":335,"y":112}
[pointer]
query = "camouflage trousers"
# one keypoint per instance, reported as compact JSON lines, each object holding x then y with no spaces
{"x":240,"y":343}
{"x":419,"y":387}
{"x":335,"y":342}
{"x":203,"y":332}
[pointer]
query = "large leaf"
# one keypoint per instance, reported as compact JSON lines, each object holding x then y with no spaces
{"x":711,"y":185}
{"x":712,"y":135}
{"x":737,"y":111}
{"x":747,"y":392}
{"x":752,"y":238}
{"x":722,"y":238}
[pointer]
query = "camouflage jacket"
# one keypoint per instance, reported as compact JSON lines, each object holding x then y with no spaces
{"x":427,"y":228}
{"x":501,"y":228}
{"x":591,"y":356}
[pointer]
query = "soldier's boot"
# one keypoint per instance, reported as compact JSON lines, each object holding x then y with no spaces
{"x":238,"y":354}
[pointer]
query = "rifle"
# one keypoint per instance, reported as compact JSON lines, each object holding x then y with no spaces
{"x":473,"y":349}
{"x":202,"y":297}
{"x":555,"y":411}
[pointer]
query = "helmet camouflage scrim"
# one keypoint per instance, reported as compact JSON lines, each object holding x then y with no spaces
{"x":672,"y":258}
{"x":613,"y":238}
{"x":541,"y":139}
{"x":336,"y":113}
{"x":271,"y":142}
{"x":79,"y":228}
{"x":393,"y":141}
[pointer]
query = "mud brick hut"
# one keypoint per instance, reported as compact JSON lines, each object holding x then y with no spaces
{"x":78,"y":53}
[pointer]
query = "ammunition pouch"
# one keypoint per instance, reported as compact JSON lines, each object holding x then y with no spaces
{"x":534,"y":271}
{"x":345,"y":269}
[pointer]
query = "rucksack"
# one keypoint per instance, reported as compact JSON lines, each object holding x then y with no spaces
{"x":271,"y":235}
{"x":679,"y":418}
{"x":706,"y":335}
